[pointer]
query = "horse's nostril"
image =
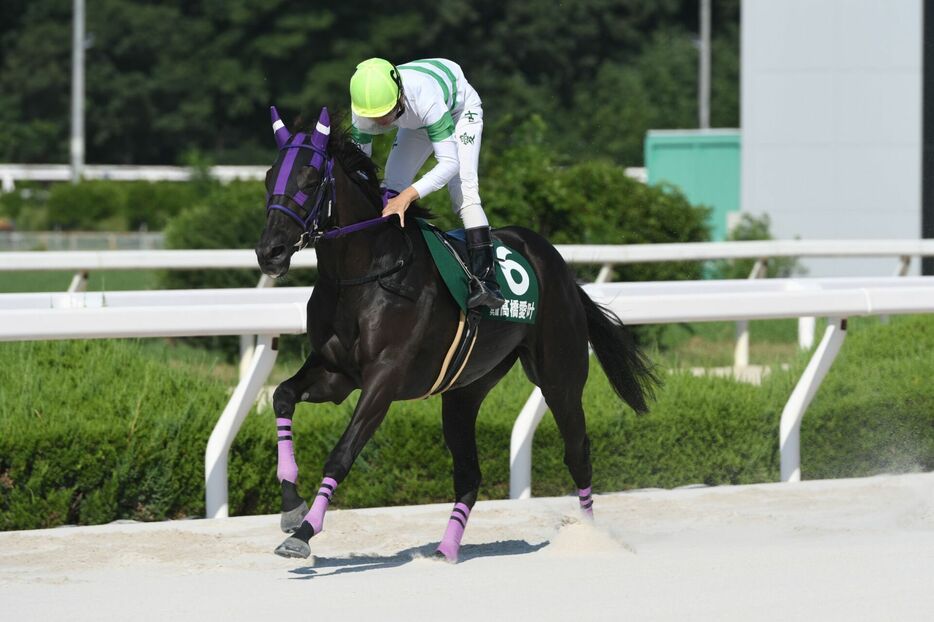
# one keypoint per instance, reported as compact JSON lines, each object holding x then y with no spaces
{"x":276,"y":252}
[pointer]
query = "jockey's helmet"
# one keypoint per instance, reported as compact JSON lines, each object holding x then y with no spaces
{"x":374,"y":88}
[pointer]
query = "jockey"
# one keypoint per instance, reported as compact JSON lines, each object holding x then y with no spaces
{"x":436,"y":111}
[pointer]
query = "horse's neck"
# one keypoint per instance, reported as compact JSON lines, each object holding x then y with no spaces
{"x":361,"y":251}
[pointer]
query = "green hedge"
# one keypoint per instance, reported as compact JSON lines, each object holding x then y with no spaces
{"x":78,"y":447}
{"x":101,"y":205}
{"x":230,"y":216}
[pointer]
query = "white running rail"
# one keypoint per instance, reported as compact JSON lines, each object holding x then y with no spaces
{"x":572,"y":253}
{"x":272,"y":312}
{"x":607,"y":256}
{"x":11,"y":173}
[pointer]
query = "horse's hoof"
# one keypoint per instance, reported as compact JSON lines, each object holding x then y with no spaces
{"x":442,"y":556}
{"x":292,"y":520}
{"x":293,"y":547}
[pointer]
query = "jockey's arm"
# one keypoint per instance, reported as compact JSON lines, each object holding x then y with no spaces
{"x":445,"y":168}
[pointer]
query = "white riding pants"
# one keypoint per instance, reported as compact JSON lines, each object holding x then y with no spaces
{"x":412,"y":147}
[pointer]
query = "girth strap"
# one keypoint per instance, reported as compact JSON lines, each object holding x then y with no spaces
{"x":458,"y":354}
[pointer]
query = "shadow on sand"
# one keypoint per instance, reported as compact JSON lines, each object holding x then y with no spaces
{"x":327,"y":566}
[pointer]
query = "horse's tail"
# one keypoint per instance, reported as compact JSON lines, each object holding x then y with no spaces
{"x":627,"y":367}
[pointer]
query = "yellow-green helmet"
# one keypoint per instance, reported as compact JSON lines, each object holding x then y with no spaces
{"x":374,"y":88}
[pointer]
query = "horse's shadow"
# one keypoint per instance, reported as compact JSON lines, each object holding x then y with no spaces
{"x":363,"y":563}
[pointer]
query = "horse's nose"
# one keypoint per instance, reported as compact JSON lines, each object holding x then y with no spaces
{"x":273,"y":252}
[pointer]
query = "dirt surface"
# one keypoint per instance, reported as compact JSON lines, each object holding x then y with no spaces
{"x":860,"y":549}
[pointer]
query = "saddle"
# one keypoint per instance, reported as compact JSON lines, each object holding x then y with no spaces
{"x":517,"y":281}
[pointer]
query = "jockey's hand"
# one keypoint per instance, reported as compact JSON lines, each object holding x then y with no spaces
{"x":400,"y":203}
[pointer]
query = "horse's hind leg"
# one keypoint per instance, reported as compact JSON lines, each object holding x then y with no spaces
{"x":558,"y":364}
{"x":459,"y":409}
{"x":312,"y":383}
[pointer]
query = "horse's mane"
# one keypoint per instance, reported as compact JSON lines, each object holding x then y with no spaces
{"x":361,"y":168}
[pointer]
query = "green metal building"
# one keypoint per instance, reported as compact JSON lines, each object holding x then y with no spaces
{"x":704,"y":164}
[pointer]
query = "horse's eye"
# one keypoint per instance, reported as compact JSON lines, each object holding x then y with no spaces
{"x":307,"y":177}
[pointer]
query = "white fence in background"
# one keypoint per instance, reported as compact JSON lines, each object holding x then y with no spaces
{"x":607,"y":256}
{"x":271,"y":312}
{"x":70,"y":241}
{"x":11,"y":173}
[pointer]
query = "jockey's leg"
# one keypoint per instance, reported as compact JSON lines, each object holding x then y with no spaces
{"x":312,"y":383}
{"x":465,"y":199}
{"x":484,"y":290}
{"x":371,"y":409}
{"x":459,"y":409}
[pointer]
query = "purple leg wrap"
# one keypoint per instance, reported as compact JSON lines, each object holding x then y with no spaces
{"x":583,"y":494}
{"x":287,"y":470}
{"x":451,"y":542}
{"x":315,"y":516}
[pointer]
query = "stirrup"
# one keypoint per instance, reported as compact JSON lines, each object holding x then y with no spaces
{"x":483,"y":295}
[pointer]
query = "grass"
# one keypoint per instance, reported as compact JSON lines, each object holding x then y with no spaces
{"x":78,"y":446}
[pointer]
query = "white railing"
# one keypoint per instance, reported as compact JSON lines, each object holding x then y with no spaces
{"x":704,"y":301}
{"x":604,"y":255}
{"x":11,"y":173}
{"x":70,"y":241}
{"x":271,"y":312}
{"x":607,"y":256}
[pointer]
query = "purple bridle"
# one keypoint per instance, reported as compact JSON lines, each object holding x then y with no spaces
{"x":317,"y":143}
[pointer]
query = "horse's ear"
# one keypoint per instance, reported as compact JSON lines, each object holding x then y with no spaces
{"x":319,"y":139}
{"x":278,"y":128}
{"x":322,"y":130}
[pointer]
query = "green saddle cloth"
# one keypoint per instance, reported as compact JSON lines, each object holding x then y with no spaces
{"x":515,"y":276}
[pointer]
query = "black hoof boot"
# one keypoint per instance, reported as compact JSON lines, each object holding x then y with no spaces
{"x":293,"y":547}
{"x":294,"y":508}
{"x":297,"y":544}
{"x":484,"y":290}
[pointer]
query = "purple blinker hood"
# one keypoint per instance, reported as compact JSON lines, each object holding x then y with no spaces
{"x":319,"y":160}
{"x":293,"y":145}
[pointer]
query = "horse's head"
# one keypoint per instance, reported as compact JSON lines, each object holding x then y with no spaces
{"x":299,"y":193}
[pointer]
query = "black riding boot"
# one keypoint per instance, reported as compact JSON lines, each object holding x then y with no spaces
{"x":484,"y":290}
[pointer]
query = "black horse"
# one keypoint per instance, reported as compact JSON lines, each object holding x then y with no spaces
{"x":380,"y":319}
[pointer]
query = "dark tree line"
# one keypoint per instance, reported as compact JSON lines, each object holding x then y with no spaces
{"x":170,"y":79}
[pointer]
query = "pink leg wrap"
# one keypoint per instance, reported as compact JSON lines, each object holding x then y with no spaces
{"x":583,"y":494}
{"x":315,"y":516}
{"x":287,"y":469}
{"x":451,"y":542}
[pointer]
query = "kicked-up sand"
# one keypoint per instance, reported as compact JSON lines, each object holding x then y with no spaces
{"x":857,"y":549}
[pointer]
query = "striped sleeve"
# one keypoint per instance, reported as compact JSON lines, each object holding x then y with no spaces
{"x":359,"y":137}
{"x":441,"y":129}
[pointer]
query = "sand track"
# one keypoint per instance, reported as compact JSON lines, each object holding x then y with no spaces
{"x":860,"y":549}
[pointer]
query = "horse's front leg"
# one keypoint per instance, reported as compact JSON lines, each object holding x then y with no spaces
{"x":312,"y":383}
{"x":375,"y":398}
